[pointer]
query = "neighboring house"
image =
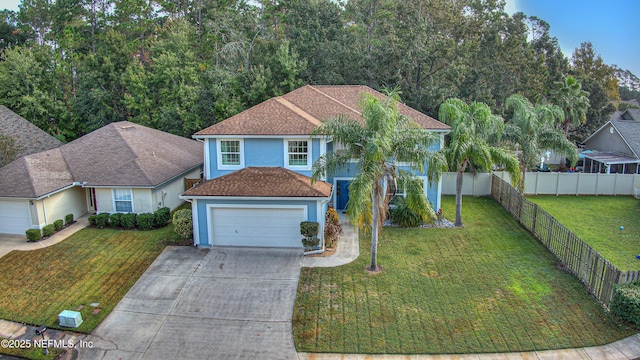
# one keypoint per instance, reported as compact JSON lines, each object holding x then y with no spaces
{"x":257,"y":168}
{"x":614,"y":147}
{"x":28,"y":138}
{"x":121,"y":167}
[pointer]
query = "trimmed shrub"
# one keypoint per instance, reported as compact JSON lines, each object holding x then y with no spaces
{"x":309,"y":228}
{"x":68,"y":219}
{"x":115,"y":220}
{"x":129,"y":220}
{"x":58,"y":224}
{"x":183,"y":223}
{"x":146,"y":221}
{"x":33,"y":234}
{"x":310,"y":242}
{"x":625,"y":304}
{"x":48,"y":230}
{"x":102,"y":220}
{"x":402,"y":215}
{"x":163,"y":215}
{"x":92,"y":219}
{"x":332,"y":227}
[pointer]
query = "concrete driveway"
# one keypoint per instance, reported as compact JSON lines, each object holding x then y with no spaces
{"x":219,"y":303}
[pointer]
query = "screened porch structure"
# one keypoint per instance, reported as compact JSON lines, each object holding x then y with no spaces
{"x":609,"y":163}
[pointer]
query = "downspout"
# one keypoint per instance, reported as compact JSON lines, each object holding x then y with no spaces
{"x":321,"y":250}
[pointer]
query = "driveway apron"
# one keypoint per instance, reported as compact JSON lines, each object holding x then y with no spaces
{"x":218,"y":303}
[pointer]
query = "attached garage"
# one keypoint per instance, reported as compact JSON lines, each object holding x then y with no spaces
{"x":14,"y":216}
{"x":257,"y":207}
{"x":265,"y":226}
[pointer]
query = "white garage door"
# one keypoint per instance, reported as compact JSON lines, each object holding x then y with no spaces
{"x":14,"y":216}
{"x":264,"y":227}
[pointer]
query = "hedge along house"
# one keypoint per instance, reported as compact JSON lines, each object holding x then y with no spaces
{"x":121,"y":167}
{"x":257,"y":168}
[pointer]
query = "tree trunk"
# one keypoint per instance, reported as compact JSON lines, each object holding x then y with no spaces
{"x":459,"y":179}
{"x":374,"y":229}
{"x":567,"y":123}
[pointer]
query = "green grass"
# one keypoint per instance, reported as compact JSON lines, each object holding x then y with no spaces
{"x":93,"y":265}
{"x":487,"y":287}
{"x":597,"y":221}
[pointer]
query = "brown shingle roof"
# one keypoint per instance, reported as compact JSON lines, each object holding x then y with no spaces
{"x":262,"y":182}
{"x":311,"y":105}
{"x":129,"y":154}
{"x":30,"y":138}
{"x":118,"y":154}
{"x":34,"y":175}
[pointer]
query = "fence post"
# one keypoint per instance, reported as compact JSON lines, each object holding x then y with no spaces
{"x":535,"y":215}
{"x":551,"y":224}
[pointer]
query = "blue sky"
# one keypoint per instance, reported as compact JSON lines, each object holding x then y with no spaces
{"x":610,"y":25}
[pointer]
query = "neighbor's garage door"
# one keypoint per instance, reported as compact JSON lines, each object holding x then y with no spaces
{"x":266,"y":227}
{"x":14,"y":216}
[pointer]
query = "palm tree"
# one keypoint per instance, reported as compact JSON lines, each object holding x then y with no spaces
{"x":534,"y":129}
{"x":573,"y":101}
{"x":381,"y":138}
{"x":474,"y":132}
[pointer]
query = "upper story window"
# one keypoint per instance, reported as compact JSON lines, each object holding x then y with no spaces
{"x":230,"y":156}
{"x":298,"y":154}
{"x":123,"y":200}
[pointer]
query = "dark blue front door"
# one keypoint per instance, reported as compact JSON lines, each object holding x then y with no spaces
{"x":342,"y":194}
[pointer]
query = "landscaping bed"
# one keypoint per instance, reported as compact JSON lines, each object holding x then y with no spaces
{"x":486,"y":287}
{"x":92,"y":266}
{"x":597,"y":221}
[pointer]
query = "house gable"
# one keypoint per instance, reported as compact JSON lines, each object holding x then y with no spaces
{"x":619,"y":135}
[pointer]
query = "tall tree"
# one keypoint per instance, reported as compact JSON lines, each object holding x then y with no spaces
{"x":10,"y":33}
{"x":589,"y":64}
{"x":382,"y":137}
{"x":573,"y":101}
{"x":556,"y":65}
{"x":472,"y":143}
{"x":35,"y":16}
{"x":534,"y":129}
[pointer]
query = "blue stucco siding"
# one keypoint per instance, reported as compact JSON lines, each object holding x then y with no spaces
{"x":203,"y":221}
{"x":260,"y":152}
{"x":264,"y":152}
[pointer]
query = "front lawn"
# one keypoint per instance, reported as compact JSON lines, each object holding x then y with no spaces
{"x":91,"y":266}
{"x":487,"y":287}
{"x":597,"y":221}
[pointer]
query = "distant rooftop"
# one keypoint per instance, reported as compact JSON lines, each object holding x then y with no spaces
{"x":29,"y":138}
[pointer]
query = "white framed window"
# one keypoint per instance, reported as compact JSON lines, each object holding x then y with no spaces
{"x":230,"y":154}
{"x":123,"y":200}
{"x":400,"y":189}
{"x":297,"y":154}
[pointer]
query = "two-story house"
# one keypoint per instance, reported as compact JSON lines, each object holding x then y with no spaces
{"x":257,"y":186}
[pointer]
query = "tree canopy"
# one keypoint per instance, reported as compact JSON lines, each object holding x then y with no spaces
{"x":72,"y":66}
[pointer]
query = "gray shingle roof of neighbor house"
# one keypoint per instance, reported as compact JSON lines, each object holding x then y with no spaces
{"x":262,"y":182}
{"x":30,"y":138}
{"x":118,"y":154}
{"x":304,"y":109}
{"x":628,"y":125}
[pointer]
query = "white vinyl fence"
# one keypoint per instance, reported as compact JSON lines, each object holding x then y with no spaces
{"x":551,"y":183}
